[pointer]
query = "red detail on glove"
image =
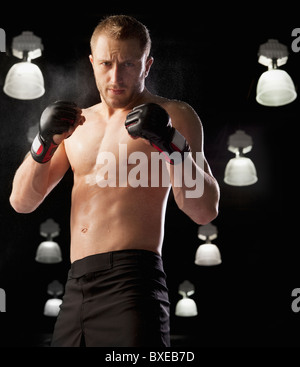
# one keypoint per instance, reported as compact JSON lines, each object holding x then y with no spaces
{"x":166,"y":156}
{"x":50,"y":152}
{"x":175,"y":147}
{"x":40,"y":150}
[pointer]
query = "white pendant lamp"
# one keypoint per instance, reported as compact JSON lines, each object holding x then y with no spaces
{"x":186,"y":307}
{"x":52,"y":305}
{"x":240,"y":171}
{"x":275,"y":87}
{"x":208,"y":253}
{"x":49,"y":252}
{"x":25,"y":80}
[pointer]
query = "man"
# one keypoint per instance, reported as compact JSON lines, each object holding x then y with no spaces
{"x":116,"y":293}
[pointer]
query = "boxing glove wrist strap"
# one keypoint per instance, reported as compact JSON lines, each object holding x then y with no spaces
{"x":42,"y":151}
{"x":177,"y":144}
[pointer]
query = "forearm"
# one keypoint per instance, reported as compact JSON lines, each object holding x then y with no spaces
{"x":30,"y":185}
{"x":46,"y":165}
{"x":196,"y":191}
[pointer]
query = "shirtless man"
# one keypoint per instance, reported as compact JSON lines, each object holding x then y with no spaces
{"x":116,"y":293}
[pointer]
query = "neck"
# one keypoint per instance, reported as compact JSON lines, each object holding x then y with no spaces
{"x":136,"y":101}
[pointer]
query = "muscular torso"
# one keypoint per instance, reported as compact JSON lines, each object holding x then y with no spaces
{"x":111,"y":215}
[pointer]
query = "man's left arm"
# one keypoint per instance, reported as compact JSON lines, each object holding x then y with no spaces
{"x":175,"y":130}
{"x":195,"y":189}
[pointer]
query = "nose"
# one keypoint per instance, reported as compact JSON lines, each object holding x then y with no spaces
{"x":116,"y":74}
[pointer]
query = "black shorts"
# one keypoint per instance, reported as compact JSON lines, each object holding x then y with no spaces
{"x":115,"y":299}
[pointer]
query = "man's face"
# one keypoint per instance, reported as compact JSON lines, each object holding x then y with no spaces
{"x":120,"y":69}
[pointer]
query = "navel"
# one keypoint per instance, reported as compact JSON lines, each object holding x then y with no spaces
{"x":84,"y":230}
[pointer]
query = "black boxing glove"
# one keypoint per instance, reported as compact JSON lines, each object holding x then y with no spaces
{"x":56,"y":119}
{"x":152,"y":122}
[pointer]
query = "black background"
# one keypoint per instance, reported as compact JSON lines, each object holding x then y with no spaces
{"x":208,"y":58}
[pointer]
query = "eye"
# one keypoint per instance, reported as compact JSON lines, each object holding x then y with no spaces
{"x":128,"y":64}
{"x":105,"y":63}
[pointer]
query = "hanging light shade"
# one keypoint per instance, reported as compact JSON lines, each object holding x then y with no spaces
{"x":208,"y":254}
{"x":52,"y":307}
{"x":24,"y":81}
{"x":275,"y":88}
{"x":240,"y":171}
{"x":48,"y":252}
{"x":186,"y":307}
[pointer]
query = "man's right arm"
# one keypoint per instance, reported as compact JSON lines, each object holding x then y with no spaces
{"x":34,"y":181}
{"x":41,"y":170}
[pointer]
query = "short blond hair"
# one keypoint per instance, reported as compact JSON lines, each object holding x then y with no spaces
{"x":123,"y":27}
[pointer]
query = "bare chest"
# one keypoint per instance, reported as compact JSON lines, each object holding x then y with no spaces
{"x":105,"y":155}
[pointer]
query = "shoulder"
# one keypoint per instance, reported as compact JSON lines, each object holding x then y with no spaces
{"x":90,"y":111}
{"x":185,"y":119}
{"x":179,"y":111}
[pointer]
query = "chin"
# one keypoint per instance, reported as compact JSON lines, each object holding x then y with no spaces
{"x":117,"y":102}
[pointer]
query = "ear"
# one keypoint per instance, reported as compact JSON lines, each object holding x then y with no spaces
{"x":149,"y":62}
{"x":91,"y":60}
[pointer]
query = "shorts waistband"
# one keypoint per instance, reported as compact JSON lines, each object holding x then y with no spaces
{"x":108,"y":260}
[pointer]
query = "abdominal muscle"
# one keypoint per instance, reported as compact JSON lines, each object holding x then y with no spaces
{"x":116,"y":218}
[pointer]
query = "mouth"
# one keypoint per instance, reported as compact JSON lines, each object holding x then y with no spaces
{"x":116,"y":91}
